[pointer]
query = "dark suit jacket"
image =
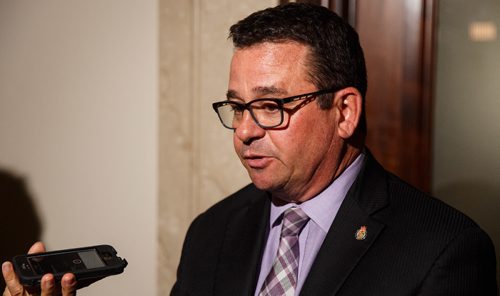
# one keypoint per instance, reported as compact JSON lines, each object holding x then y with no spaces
{"x":415,"y":245}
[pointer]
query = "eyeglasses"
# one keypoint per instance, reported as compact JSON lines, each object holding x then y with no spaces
{"x":266,"y":112}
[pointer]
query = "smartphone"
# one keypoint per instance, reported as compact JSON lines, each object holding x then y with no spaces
{"x":86,"y":263}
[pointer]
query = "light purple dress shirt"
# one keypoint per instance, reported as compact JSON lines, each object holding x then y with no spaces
{"x":321,"y":210}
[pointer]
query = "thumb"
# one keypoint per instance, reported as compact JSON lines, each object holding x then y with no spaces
{"x":11,"y":280}
{"x":37,"y":247}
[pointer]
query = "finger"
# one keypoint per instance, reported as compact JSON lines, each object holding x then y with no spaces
{"x":68,"y":283}
{"x":11,"y":280}
{"x":48,"y":285}
{"x":6,"y":292}
{"x":37,"y":247}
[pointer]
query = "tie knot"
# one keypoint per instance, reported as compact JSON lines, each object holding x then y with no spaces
{"x":293,"y":221}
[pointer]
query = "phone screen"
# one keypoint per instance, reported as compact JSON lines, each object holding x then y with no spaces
{"x":66,"y":261}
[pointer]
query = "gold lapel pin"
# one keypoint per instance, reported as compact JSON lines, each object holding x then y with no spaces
{"x":361,"y":233}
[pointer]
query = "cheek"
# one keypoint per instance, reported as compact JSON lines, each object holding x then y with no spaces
{"x":293,"y":144}
{"x":237,"y":145}
{"x":309,"y":138}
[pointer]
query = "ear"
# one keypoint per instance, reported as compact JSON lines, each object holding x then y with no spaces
{"x":349,"y":103}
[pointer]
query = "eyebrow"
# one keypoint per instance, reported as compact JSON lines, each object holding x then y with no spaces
{"x":232,"y":94}
{"x":259,"y":90}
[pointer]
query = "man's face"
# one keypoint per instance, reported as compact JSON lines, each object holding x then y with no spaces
{"x":298,"y":159}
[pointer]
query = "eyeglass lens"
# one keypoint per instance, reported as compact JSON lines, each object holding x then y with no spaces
{"x":267,"y":113}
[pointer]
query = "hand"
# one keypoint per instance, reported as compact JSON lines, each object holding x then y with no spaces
{"x":48,"y":284}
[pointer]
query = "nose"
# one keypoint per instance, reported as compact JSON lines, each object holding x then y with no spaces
{"x":248,"y":130}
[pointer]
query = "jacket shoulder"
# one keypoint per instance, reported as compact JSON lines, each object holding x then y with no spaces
{"x":431,"y":213}
{"x":241,"y":199}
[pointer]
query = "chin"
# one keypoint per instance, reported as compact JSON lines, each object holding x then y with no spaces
{"x":264,"y":183}
{"x":260,"y":181}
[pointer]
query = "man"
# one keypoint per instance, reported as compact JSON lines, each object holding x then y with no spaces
{"x":321,"y":216}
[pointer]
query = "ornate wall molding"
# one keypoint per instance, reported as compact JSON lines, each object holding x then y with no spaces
{"x":197,"y":165}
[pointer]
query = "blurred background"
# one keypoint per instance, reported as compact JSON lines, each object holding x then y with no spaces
{"x":78,"y":131}
{"x":107,"y":134}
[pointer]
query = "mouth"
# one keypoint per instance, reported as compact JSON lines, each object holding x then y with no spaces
{"x":257,"y":161}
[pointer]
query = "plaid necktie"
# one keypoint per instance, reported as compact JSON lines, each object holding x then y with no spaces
{"x":282,"y":279}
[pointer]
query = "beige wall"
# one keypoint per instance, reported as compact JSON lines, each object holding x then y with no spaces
{"x":78,"y":120}
{"x":467,"y":107}
{"x":197,"y":164}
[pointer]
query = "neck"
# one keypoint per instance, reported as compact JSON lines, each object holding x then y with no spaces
{"x":346,"y":157}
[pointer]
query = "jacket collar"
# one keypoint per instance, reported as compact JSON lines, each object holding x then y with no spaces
{"x":343,"y":248}
{"x":241,"y":253}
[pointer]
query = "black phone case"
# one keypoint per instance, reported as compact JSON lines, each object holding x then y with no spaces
{"x":114,"y":265}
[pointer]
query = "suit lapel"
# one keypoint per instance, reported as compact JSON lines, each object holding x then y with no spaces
{"x":240,"y":257}
{"x":341,"y":251}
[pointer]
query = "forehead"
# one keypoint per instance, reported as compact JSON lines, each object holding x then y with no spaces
{"x":264,"y":65}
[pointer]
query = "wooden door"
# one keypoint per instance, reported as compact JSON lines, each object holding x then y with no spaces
{"x":397,"y":37}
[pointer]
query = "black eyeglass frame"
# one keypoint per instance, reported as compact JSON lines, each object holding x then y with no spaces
{"x":280,"y":102}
